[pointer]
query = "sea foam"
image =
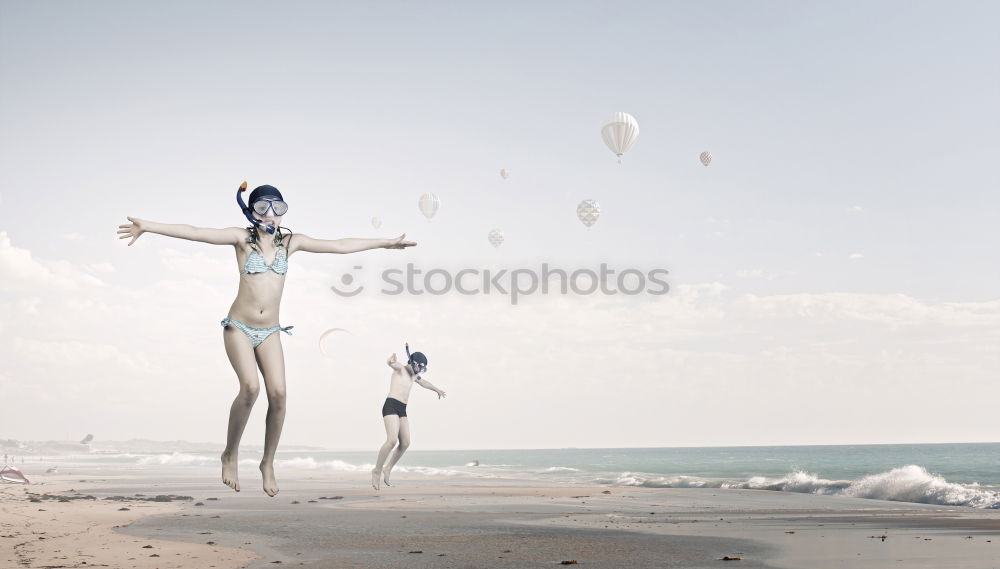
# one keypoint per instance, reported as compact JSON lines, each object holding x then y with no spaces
{"x":176,"y":459}
{"x":911,"y":483}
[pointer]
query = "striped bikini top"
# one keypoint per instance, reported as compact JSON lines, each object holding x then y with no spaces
{"x":255,"y":261}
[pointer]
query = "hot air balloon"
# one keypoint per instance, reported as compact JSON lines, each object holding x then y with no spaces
{"x":504,"y":173}
{"x":496,"y":237}
{"x":588,"y":211}
{"x":429,"y":205}
{"x":327,"y":333}
{"x":620,"y":133}
{"x":706,"y":158}
{"x":376,"y":222}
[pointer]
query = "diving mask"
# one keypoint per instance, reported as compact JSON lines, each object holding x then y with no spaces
{"x":278,"y":207}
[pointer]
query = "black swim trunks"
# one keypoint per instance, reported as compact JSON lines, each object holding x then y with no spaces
{"x":393,"y":407}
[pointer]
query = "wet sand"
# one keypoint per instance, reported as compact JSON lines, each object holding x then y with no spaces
{"x":327,"y":520}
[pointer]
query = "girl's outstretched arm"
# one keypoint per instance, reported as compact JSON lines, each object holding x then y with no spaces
{"x":302,"y":242}
{"x":227,"y":236}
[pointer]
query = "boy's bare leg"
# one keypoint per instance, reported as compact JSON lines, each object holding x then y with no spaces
{"x":272,"y":365}
{"x":404,"y":443}
{"x":391,"y":435}
{"x":241,"y":357}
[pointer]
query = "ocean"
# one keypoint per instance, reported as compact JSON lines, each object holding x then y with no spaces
{"x":966,"y":474}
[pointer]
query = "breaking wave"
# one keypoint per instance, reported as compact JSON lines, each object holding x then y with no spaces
{"x":909,"y":483}
{"x":176,"y":459}
{"x":296,"y":463}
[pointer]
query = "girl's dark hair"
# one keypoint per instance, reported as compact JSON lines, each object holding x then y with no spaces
{"x":262,"y":192}
{"x":283,"y":239}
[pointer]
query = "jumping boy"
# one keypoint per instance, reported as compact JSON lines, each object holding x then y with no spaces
{"x":397,"y":426}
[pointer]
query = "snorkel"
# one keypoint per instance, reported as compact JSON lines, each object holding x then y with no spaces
{"x":417,"y":361}
{"x":249,"y":212}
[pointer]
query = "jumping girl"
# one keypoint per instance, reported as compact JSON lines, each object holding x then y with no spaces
{"x":249,"y":328}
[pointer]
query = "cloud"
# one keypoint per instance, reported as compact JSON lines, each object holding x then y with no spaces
{"x":196,"y":264}
{"x":78,"y":355}
{"x":855,"y":256}
{"x":24,"y":273}
{"x":761,"y":273}
{"x":28,"y":306}
{"x":128,"y":357}
{"x":73,"y":236}
{"x":99,"y":267}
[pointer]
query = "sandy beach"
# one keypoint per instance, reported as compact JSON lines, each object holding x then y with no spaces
{"x":327,"y":520}
{"x":57,"y":522}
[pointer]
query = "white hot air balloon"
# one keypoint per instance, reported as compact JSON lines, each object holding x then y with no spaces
{"x":376,"y":222}
{"x":706,"y":158}
{"x":504,"y":173}
{"x":429,"y":205}
{"x":496,"y":237}
{"x":620,"y":133}
{"x":588,"y":211}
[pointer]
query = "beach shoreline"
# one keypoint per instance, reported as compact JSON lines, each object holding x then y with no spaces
{"x":327,"y":519}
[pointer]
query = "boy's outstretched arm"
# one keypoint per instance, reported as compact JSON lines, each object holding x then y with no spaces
{"x":391,"y":362}
{"x":227,"y":236}
{"x":428,"y":385}
{"x":347,"y":245}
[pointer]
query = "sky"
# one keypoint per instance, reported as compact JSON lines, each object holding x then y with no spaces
{"x":832,"y":274}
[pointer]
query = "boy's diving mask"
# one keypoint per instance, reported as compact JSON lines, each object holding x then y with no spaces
{"x":417,"y":361}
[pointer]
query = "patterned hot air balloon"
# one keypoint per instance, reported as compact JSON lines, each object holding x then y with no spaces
{"x":706,"y":158}
{"x":588,"y":211}
{"x":376,"y":222}
{"x":620,"y":133}
{"x":429,"y":205}
{"x":496,"y":237}
{"x":504,"y":173}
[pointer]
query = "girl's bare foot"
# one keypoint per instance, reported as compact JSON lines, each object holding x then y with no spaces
{"x":230,"y":475}
{"x":385,"y":478}
{"x":375,"y":475}
{"x":270,"y":484}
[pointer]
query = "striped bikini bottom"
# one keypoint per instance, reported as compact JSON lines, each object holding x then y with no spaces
{"x":256,"y":335}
